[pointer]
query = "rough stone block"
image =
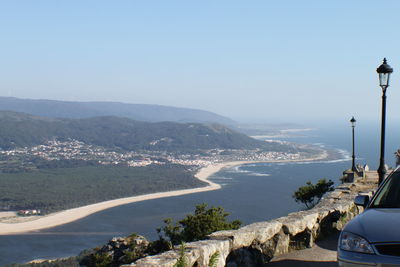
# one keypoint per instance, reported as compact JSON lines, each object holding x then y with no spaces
{"x":245,"y":236}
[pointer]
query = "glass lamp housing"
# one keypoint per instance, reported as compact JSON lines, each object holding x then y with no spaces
{"x":384,"y":72}
{"x":353,"y":122}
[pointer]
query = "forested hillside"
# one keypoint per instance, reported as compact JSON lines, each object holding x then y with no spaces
{"x":21,"y":130}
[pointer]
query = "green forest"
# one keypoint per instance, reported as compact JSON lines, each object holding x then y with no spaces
{"x":57,"y":189}
{"x":24,"y":130}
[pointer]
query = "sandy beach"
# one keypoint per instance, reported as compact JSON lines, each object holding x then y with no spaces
{"x":71,"y":215}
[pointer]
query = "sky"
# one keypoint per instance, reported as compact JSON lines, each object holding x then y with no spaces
{"x":262,"y":61}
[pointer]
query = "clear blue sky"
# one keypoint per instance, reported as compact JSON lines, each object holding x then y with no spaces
{"x":266,"y":60}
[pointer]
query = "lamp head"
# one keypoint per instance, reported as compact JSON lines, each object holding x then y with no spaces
{"x":384,"y":72}
{"x":353,"y":122}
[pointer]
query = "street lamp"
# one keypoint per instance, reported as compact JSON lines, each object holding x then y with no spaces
{"x":384,"y":72}
{"x":353,"y":165}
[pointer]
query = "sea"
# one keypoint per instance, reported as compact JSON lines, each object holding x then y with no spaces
{"x":250,"y":193}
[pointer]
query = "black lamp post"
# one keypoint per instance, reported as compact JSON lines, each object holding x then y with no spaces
{"x":384,"y":72}
{"x":353,"y":165}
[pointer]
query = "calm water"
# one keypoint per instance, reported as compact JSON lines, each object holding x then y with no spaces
{"x":251,"y":193}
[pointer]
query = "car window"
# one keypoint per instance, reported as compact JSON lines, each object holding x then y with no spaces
{"x":389,"y":195}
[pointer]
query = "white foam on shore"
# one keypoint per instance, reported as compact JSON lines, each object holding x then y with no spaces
{"x":322,"y":145}
{"x":222,"y":178}
{"x":345,"y":156}
{"x":260,"y":174}
{"x":319,"y":162}
{"x":238,"y":169}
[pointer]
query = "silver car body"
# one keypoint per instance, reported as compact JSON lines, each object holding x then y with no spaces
{"x":380,"y":227}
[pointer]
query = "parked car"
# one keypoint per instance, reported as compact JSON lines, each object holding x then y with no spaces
{"x":373,"y":237}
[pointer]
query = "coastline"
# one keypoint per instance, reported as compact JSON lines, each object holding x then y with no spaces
{"x":70,"y":215}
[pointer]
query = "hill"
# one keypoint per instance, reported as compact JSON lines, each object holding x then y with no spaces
{"x":24,"y":130}
{"x":140,"y":112}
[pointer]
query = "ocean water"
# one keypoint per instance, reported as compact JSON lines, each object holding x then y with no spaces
{"x":250,"y":193}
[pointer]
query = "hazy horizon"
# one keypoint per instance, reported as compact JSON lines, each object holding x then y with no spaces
{"x":273,"y":121}
{"x":264,"y":61}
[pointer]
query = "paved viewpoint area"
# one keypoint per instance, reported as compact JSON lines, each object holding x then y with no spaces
{"x":323,"y":254}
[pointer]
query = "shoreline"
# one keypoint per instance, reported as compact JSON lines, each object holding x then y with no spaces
{"x":70,"y":215}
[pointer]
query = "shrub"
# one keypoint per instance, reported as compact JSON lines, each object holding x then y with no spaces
{"x":196,"y":226}
{"x":311,"y":194}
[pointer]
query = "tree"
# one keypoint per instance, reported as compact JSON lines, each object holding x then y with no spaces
{"x":182,"y":260}
{"x":197,"y":226}
{"x":311,"y":194}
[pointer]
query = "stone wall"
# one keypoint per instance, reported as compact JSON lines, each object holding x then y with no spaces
{"x":258,"y":243}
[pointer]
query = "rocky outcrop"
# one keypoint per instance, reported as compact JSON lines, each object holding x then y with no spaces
{"x":258,"y":243}
{"x":118,"y":250}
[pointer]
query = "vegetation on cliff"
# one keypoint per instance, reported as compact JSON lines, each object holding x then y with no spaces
{"x":119,"y":250}
{"x":310,"y":194}
{"x":193,"y":227}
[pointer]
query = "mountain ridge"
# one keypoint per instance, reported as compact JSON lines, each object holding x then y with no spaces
{"x":143,"y":112}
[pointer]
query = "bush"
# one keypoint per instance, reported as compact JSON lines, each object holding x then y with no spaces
{"x":195,"y":226}
{"x":311,"y":194}
{"x":102,"y":260}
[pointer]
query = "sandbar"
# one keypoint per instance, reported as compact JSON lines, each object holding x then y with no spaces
{"x":70,"y":215}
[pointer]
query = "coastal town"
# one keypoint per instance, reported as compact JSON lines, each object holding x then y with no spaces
{"x":55,"y":150}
